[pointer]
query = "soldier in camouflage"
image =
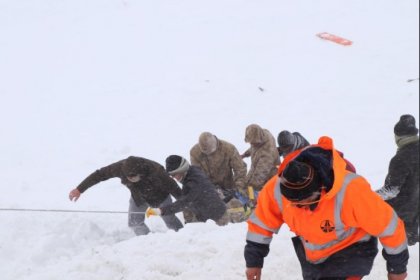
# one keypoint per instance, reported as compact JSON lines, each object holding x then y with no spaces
{"x":264,"y":159}
{"x":221,"y":162}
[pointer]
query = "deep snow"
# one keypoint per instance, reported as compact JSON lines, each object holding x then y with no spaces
{"x":86,"y":83}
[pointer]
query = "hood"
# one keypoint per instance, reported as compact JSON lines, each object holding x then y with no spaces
{"x":254,"y":134}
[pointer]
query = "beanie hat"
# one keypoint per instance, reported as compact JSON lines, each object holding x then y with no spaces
{"x":406,"y":126}
{"x":176,"y":164}
{"x":207,"y":143}
{"x":289,"y":142}
{"x":285,"y":138}
{"x":299,"y":181}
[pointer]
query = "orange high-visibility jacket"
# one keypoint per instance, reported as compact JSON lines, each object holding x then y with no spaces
{"x":350,"y":212}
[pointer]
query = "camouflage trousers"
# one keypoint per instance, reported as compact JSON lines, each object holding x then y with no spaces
{"x":235,"y":213}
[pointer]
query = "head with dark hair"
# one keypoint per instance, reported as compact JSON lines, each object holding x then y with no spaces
{"x":134,"y":168}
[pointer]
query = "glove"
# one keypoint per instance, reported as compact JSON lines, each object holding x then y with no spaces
{"x":251,"y":194}
{"x":153,"y":212}
{"x":252,"y":201}
{"x":392,"y":276}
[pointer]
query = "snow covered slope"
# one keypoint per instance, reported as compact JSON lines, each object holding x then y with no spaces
{"x":87,"y":83}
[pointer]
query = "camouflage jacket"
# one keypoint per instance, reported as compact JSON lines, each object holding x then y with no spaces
{"x":264,"y":160}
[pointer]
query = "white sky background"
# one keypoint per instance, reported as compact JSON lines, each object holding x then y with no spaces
{"x":86,"y":83}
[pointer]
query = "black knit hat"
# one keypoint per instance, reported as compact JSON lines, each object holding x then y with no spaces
{"x":176,"y":164}
{"x":299,"y":181}
{"x":286,"y":141}
{"x":285,"y":138}
{"x":406,"y":126}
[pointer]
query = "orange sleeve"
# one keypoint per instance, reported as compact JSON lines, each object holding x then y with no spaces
{"x":363,"y":208}
{"x":267,"y":218}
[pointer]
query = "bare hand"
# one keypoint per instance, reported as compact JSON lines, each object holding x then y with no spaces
{"x":401,"y":276}
{"x":253,"y":273}
{"x":74,"y":195}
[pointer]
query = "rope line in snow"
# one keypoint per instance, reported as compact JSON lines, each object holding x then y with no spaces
{"x":68,"y":211}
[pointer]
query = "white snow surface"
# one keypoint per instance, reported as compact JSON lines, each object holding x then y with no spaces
{"x":86,"y":83}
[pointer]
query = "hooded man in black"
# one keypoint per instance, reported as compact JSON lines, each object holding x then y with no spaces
{"x":401,"y":188}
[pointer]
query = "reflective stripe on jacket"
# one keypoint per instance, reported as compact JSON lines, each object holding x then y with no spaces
{"x":350,"y":212}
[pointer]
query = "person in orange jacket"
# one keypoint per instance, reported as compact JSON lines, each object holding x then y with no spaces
{"x":330,"y":210}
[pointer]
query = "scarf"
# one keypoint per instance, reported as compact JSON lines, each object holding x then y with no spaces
{"x":402,"y":141}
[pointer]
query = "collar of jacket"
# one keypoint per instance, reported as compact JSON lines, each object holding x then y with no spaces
{"x":405,"y":140}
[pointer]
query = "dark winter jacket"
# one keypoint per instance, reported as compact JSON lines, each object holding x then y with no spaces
{"x":401,"y":188}
{"x":198,"y":195}
{"x":154,"y":186}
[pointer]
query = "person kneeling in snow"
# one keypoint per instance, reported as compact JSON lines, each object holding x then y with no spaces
{"x":198,"y":194}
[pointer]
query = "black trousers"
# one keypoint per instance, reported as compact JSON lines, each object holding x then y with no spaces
{"x":355,"y":260}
